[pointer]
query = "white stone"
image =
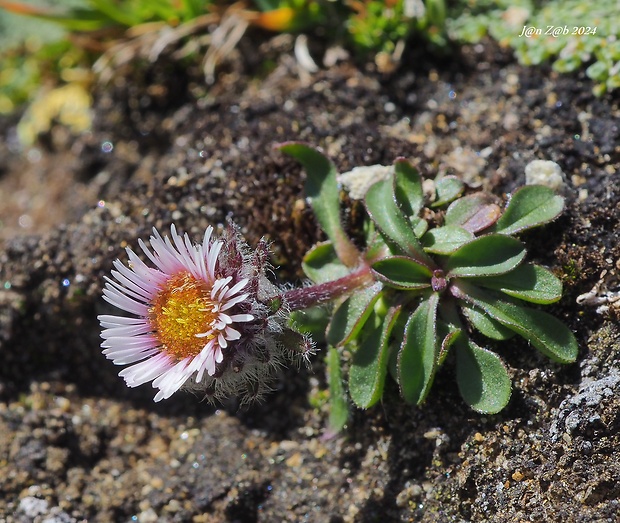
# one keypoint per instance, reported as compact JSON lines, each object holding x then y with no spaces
{"x":32,"y":507}
{"x":358,"y":180}
{"x":547,"y":173}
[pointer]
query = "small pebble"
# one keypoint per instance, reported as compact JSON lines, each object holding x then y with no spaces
{"x":547,"y":173}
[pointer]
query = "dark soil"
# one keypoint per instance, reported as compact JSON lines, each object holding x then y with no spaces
{"x":77,"y":445}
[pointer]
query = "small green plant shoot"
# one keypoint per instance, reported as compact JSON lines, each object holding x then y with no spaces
{"x":419,"y":288}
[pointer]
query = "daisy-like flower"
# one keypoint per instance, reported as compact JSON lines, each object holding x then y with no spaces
{"x":188,"y":313}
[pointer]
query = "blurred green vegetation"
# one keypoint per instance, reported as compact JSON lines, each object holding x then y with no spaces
{"x":58,"y":41}
{"x":34,"y":54}
{"x":50,"y":38}
{"x":14,"y":29}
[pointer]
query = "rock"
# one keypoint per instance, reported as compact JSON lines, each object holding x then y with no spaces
{"x":547,"y":173}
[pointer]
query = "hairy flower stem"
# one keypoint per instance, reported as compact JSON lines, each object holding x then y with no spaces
{"x":306,"y":297}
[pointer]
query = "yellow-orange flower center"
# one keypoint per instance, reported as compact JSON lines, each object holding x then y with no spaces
{"x":180,"y":311}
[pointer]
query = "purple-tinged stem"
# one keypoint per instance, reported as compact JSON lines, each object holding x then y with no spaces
{"x":306,"y":297}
